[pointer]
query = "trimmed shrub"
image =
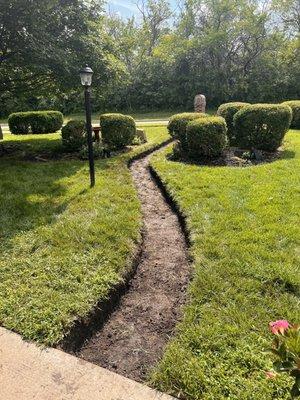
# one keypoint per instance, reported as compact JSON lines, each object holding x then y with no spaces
{"x":73,"y":135}
{"x":118,"y":130}
{"x":262,"y":126}
{"x":295,"y":106}
{"x":178,"y":124}
{"x":36,"y":122}
{"x":19,"y":123}
{"x":206,"y":137}
{"x":228,"y":111}
{"x":46,"y":122}
{"x":98,"y":149}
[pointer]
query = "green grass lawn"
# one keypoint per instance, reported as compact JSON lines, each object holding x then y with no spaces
{"x":245,"y":231}
{"x":63,"y":245}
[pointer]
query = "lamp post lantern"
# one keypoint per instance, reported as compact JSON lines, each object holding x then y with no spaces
{"x":86,"y":75}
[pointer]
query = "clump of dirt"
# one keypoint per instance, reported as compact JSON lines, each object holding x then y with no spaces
{"x":132,"y":341}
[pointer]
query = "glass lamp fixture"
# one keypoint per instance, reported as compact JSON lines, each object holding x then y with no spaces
{"x":86,"y":75}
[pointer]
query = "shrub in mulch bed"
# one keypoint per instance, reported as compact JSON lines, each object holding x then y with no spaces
{"x":73,"y":135}
{"x":262,"y":126}
{"x":118,"y":130}
{"x":206,"y":137}
{"x":228,"y":111}
{"x":178,"y":124}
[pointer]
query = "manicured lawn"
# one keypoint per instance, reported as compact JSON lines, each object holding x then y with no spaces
{"x":63,"y":245}
{"x":244,"y":225}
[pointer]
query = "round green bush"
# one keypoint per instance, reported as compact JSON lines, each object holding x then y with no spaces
{"x":295,"y":106}
{"x":35,"y":122}
{"x":118,"y":130}
{"x":228,"y":111}
{"x":178,"y":124}
{"x":262,"y":126}
{"x":206,"y":137}
{"x":73,"y":135}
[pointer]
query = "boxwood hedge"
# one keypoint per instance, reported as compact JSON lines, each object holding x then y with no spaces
{"x":206,"y":137}
{"x":262,"y":126}
{"x":117,"y":130}
{"x":35,"y":122}
{"x":228,"y":111}
{"x":74,"y":135}
{"x":178,"y":124}
{"x":295,"y":106}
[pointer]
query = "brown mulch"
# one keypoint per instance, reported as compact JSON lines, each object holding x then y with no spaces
{"x":234,"y":157}
{"x":133,"y":339}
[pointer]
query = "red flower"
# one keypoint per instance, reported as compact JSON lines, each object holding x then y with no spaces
{"x":279,"y":327}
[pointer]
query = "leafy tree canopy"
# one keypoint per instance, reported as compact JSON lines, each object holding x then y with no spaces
{"x":245,"y":50}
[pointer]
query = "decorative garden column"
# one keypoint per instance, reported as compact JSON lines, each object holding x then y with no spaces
{"x":200,"y":103}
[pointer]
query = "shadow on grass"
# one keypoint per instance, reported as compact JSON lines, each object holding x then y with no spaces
{"x":33,"y":146}
{"x":31,"y":195}
{"x":35,"y":194}
{"x":287,"y":155}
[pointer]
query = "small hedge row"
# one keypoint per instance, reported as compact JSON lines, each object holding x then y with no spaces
{"x":117,"y":130}
{"x":262,"y":126}
{"x":198,"y":135}
{"x":36,"y":122}
{"x":267,"y":117}
{"x":73,"y":135}
{"x":295,"y":106}
{"x":178,"y":124}
{"x":257,"y":126}
{"x":206,"y":137}
{"x":228,"y":111}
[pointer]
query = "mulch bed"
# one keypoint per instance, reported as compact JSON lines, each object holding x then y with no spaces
{"x":235,"y":157}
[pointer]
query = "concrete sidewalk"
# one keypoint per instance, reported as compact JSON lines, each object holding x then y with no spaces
{"x":28,"y":372}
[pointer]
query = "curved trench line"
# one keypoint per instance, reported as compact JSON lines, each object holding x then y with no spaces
{"x":131,"y":341}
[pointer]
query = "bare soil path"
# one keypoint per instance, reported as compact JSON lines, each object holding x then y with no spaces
{"x":133,"y":339}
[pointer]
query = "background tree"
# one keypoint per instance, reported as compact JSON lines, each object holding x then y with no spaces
{"x":228,"y":49}
{"x":155,"y":15}
{"x":42,"y":45}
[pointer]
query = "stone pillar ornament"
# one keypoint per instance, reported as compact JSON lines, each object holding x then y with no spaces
{"x":141,"y":134}
{"x":200,"y":103}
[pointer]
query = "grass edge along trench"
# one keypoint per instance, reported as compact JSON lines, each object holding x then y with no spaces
{"x":63,"y":246}
{"x":244,"y":229}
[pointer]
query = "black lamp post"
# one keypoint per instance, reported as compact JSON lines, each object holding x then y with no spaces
{"x":86,"y":75}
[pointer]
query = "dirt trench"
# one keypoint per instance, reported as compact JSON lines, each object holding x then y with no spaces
{"x":132,"y":340}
